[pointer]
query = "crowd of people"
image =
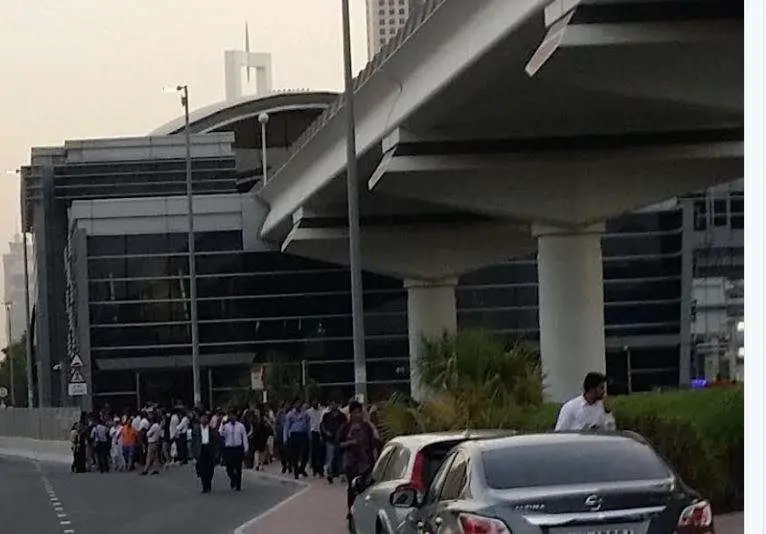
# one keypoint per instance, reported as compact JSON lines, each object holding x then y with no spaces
{"x":330,"y":441}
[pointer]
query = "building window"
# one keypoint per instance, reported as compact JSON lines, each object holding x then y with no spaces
{"x":720,"y":214}
{"x":700,"y":215}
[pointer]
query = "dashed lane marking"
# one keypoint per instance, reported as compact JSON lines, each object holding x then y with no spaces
{"x":58,"y":508}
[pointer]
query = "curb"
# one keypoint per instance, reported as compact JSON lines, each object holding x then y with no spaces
{"x":303,"y":488}
{"x":36,"y":456}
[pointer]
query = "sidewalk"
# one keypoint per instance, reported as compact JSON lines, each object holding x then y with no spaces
{"x":317,"y":507}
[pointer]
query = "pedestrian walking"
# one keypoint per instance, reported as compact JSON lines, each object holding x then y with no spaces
{"x":359,"y":441}
{"x":115,"y":453}
{"x":130,"y":444}
{"x":332,"y":421}
{"x":153,"y":442}
{"x":280,"y":439}
{"x":589,"y":411}
{"x":317,"y":448}
{"x":79,"y":438}
{"x":205,"y":448}
{"x":261,"y":433}
{"x":101,"y":445}
{"x":235,"y":446}
{"x":296,"y":435}
{"x":182,"y":438}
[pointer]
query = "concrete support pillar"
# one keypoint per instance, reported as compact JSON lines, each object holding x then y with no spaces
{"x":571,"y":307}
{"x":431,"y":312}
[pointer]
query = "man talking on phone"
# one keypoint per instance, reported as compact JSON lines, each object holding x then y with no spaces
{"x":589,"y":411}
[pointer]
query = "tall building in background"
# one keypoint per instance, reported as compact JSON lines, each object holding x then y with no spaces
{"x":384,"y":19}
{"x":13,"y":285}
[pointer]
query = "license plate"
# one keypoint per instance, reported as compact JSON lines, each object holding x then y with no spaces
{"x":630,"y":528}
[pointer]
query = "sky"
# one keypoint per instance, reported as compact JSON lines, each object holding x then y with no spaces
{"x":74,"y":69}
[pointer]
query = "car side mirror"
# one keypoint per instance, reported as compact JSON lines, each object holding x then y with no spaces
{"x":405,"y":497}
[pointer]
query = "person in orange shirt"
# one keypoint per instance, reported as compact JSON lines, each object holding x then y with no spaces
{"x":129,"y":445}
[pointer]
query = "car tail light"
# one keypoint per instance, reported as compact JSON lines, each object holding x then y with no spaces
{"x":418,"y":478}
{"x":476,"y":524}
{"x":696,"y":519}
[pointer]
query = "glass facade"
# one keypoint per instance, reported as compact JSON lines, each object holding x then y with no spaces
{"x":642,"y":297}
{"x":265,"y":304}
{"x":272,"y":305}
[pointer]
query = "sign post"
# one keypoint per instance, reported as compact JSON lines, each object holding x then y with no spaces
{"x":77,"y":386}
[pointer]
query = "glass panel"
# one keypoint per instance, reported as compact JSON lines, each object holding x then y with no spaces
{"x":643,"y":267}
{"x":642,"y":313}
{"x":644,"y":245}
{"x":523,"y":271}
{"x":638,"y":290}
{"x":139,"y":312}
{"x":491,"y":297}
{"x":522,"y":319}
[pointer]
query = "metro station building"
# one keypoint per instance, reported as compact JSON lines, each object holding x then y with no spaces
{"x":109,"y":220}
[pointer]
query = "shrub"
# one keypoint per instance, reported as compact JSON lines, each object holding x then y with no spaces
{"x":473,"y":381}
{"x":700,"y":433}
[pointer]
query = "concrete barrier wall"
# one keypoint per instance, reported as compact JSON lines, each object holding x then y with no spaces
{"x":38,"y":423}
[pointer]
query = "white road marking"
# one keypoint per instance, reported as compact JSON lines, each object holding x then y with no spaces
{"x":246,"y":526}
{"x":55,"y":501}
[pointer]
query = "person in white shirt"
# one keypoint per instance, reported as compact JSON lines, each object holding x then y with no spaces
{"x":172,"y":433}
{"x":589,"y":411}
{"x":136,"y":423}
{"x":153,"y":436}
{"x":235,"y":446}
{"x":316,"y":447}
{"x":182,"y":439}
{"x":115,"y":433}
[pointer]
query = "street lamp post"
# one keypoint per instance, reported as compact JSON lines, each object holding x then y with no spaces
{"x":354,"y":230}
{"x":9,"y":336}
{"x":184,"y":91}
{"x":263,"y":119}
{"x":28,"y":323}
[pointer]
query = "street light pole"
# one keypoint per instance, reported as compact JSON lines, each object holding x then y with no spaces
{"x":28,"y":323}
{"x":263,"y":119}
{"x":184,"y":90}
{"x":354,"y":230}
{"x":9,"y":335}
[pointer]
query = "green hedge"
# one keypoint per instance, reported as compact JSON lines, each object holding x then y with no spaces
{"x":701,"y":433}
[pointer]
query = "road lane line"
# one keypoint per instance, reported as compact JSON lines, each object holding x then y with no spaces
{"x":244,"y":527}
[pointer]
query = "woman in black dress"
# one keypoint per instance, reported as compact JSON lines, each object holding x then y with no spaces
{"x":262,"y":431}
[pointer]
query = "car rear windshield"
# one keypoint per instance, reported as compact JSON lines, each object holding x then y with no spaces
{"x":554,"y":464}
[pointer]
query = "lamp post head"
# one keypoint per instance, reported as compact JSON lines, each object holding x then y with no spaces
{"x":263,"y":118}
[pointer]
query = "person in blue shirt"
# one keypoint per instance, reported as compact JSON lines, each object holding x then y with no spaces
{"x":296,"y":430}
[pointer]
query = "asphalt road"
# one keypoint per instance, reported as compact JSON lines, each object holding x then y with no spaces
{"x":38,"y":498}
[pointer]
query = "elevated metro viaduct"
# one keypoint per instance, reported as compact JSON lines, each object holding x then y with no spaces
{"x":489,"y":128}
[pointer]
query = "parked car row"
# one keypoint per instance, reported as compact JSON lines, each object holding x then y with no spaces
{"x":490,"y":482}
